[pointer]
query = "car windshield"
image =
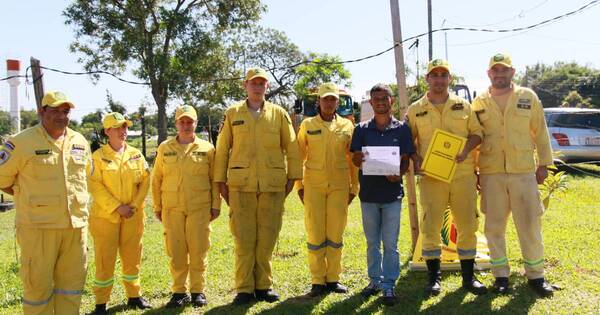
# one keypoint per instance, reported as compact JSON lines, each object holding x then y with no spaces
{"x":581,"y":120}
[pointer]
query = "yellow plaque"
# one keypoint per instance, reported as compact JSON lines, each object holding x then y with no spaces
{"x":440,"y":161}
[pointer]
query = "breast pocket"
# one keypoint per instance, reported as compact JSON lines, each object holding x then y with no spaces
{"x":424,"y":128}
{"x":458,"y":123}
{"x":272,"y":138}
{"x":45,"y":167}
{"x":169,"y":163}
{"x":200,"y":164}
{"x":520,"y":124}
{"x":315,"y":158}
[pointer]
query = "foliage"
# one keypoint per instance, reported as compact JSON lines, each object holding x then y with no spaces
{"x":175,"y":45}
{"x":556,"y":182}
{"x":554,"y":83}
{"x":29,"y":118}
{"x":574,"y":99}
{"x":273,"y":51}
{"x":318,"y":69}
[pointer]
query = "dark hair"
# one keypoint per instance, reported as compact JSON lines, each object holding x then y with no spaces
{"x":379,"y":87}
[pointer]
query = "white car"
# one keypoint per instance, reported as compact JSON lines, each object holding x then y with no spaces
{"x":574,"y":133}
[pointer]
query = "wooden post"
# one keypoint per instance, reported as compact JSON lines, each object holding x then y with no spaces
{"x":403,"y":102}
{"x":143,"y":121}
{"x":38,"y":82}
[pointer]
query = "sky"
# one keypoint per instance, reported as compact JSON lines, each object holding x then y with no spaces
{"x":350,"y":29}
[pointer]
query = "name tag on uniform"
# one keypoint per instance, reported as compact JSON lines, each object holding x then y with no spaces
{"x":421,"y":114}
{"x":238,"y":122}
{"x":314,"y":132}
{"x":199,"y":153}
{"x":77,"y":149}
{"x":170,"y":153}
{"x":106,"y":160}
{"x":458,"y":106}
{"x":524,"y":103}
{"x":135,"y":157}
{"x":42,"y":152}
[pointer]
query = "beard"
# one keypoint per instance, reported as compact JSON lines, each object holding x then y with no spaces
{"x":501,"y":83}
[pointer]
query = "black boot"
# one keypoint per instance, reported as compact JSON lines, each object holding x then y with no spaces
{"x":542,"y":287}
{"x":267,"y":295}
{"x":99,"y":310}
{"x":199,"y":299}
{"x":469,"y":281}
{"x":139,"y":303}
{"x":317,"y":290}
{"x":435,"y":277}
{"x":336,"y":287}
{"x":178,"y":300}
{"x":501,"y":285}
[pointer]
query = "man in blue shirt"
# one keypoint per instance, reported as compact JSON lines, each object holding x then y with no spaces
{"x":381,"y":196}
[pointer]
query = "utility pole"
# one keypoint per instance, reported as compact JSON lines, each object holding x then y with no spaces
{"x":403,"y":102}
{"x":142,"y":111}
{"x":38,"y":82}
{"x":429,"y":28}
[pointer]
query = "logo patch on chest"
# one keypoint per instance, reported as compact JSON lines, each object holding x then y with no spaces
{"x":42,"y":152}
{"x":199,"y":153}
{"x":421,"y":114}
{"x":314,"y":132}
{"x":458,"y":106}
{"x":238,"y":122}
{"x":170,"y":153}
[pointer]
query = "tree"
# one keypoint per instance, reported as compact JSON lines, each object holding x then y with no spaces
{"x":318,"y":69}
{"x":273,"y":51}
{"x":574,"y":99}
{"x":173,"y":44}
{"x":553,"y":83}
{"x":114,"y":106}
{"x":29,"y":118}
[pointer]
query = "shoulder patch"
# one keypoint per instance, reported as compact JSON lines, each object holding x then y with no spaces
{"x":458,"y":106}
{"x":314,"y":132}
{"x":4,"y":156}
{"x":42,"y":152}
{"x":9,"y":145}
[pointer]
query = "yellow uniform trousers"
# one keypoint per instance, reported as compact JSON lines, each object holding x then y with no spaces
{"x":502,"y":194}
{"x":461,"y":196}
{"x":187,"y":242}
{"x":124,"y":237}
{"x":255,"y":222}
{"x":53,"y":269}
{"x":325,"y":217}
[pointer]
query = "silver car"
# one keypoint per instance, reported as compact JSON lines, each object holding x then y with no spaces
{"x":574,"y":133}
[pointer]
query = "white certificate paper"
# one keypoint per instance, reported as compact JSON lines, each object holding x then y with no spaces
{"x":381,"y":161}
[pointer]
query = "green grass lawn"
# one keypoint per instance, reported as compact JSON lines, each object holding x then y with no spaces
{"x":571,"y":232}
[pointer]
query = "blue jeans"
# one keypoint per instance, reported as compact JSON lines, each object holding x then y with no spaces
{"x":381,"y":222}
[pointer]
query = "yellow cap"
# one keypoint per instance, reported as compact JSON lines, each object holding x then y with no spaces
{"x":55,"y":99}
{"x":501,"y":59}
{"x":327,"y":89}
{"x":186,"y":110}
{"x":256,"y":73}
{"x":438,"y":63}
{"x":115,"y":120}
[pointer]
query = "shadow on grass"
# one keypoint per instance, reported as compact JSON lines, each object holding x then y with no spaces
{"x":231,"y":309}
{"x":302,"y":304}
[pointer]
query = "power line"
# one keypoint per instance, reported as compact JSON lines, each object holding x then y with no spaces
{"x":467,"y":29}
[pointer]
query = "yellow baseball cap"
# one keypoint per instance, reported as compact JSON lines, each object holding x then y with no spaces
{"x":186,"y":110}
{"x":256,"y":73}
{"x":115,"y":120}
{"x":501,"y":59}
{"x":55,"y":99}
{"x":438,"y":63}
{"x":327,"y":89}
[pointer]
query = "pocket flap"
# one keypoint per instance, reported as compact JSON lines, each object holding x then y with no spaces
{"x":44,"y":200}
{"x":238,"y":164}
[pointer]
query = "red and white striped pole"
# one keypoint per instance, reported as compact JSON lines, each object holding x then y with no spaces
{"x":13,"y":68}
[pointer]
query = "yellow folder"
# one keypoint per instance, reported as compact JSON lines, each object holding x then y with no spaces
{"x":439,"y":161}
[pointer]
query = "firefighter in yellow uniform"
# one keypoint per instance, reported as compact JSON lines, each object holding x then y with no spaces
{"x":514,"y":132}
{"x":46,"y":167}
{"x":439,"y":109}
{"x":330,"y":182}
{"x":119,"y":187}
{"x":256,"y":165}
{"x":186,"y":200}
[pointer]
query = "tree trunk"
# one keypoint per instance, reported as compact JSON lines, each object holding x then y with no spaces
{"x":161,"y":121}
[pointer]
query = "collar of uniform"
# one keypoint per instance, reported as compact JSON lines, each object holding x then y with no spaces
{"x":266,"y":104}
{"x":320,"y":119}
{"x":176,"y":146}
{"x":42,"y":130}
{"x":487,"y":94}
{"x":425,"y":102}
{"x":107,"y":150}
{"x":393,"y":124}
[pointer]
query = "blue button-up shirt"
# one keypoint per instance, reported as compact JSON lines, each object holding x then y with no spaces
{"x":378,"y":189}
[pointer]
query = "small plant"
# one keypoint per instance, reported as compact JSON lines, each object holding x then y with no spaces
{"x":555,"y":182}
